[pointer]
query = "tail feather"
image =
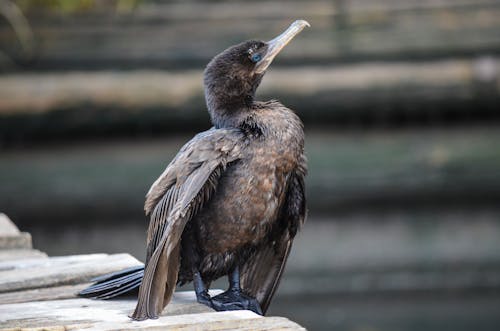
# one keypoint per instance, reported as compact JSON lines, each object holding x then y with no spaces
{"x":117,"y":274}
{"x":121,"y":290}
{"x":160,"y":278}
{"x":112,"y":285}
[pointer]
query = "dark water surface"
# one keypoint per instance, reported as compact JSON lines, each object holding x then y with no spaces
{"x":408,"y":313}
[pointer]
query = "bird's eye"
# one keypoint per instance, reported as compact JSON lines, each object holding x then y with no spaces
{"x":256,"y":57}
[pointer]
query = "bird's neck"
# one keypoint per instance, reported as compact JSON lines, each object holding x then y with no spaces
{"x":230,"y":117}
{"x":229,"y":111}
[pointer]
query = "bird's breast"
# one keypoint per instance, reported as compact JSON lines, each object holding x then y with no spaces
{"x":248,"y":197}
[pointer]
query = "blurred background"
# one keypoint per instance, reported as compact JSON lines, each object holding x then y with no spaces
{"x":400,"y":100}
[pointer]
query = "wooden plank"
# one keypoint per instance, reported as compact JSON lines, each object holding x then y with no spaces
{"x":20,"y":254}
{"x":54,"y":261}
{"x":183,"y":313}
{"x":180,"y":94}
{"x":20,"y":241}
{"x":242,"y":324}
{"x":57,"y":271}
{"x":128,"y":89}
{"x":11,"y":237}
{"x":7,"y":227}
{"x":42,"y":294}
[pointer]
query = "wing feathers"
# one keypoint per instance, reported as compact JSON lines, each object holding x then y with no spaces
{"x":158,"y":220}
{"x":162,"y":268}
{"x":262,"y":273}
{"x":179,"y":193}
{"x":267,"y":292}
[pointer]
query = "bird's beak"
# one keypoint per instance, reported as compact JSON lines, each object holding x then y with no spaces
{"x":277,"y":44}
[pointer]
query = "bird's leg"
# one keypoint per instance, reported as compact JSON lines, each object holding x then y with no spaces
{"x":201,"y":291}
{"x":234,"y":298}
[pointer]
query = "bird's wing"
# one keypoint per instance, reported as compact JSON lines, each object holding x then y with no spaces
{"x":261,"y":274}
{"x":174,"y":198}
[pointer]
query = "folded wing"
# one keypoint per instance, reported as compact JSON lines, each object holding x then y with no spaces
{"x":173,"y":200}
{"x":261,"y":274}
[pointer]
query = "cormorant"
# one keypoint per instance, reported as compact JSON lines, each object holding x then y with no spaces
{"x":231,"y":201}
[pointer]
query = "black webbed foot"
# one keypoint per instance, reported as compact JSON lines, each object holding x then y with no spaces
{"x":232,"y":299}
{"x":201,"y":291}
{"x":235,"y":300}
{"x":204,"y":299}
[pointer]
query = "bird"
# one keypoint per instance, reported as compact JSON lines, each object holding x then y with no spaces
{"x":231,"y":201}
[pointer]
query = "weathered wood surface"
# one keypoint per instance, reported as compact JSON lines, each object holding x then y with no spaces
{"x":11,"y":237}
{"x":183,"y":33}
{"x":180,"y":94}
{"x":183,"y":313}
{"x":7,"y":227}
{"x":31,"y":290}
{"x":58,"y":271}
{"x":14,"y":244}
{"x":22,"y":240}
{"x":42,"y":294}
{"x":17,"y":254}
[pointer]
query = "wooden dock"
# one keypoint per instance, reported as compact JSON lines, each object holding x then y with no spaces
{"x":38,"y":292}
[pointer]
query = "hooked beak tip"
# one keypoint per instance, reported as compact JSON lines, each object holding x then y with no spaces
{"x":302,"y":22}
{"x":277,"y":44}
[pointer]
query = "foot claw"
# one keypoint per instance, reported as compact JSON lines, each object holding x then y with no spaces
{"x":204,"y":299}
{"x":235,"y":300}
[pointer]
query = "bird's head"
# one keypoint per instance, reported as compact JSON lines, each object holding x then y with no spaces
{"x":232,"y":77}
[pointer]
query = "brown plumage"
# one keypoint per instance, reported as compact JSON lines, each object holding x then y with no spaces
{"x":232,"y":200}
